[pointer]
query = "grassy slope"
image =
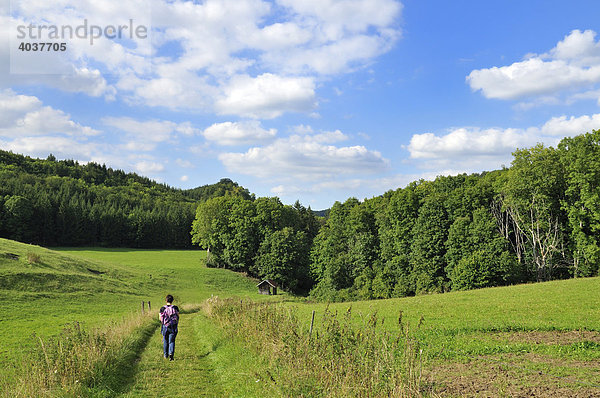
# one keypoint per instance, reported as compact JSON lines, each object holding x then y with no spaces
{"x":207,"y":365}
{"x":541,"y":339}
{"x":99,"y":286}
{"x":58,"y":289}
{"x":457,"y":327}
{"x":559,"y":305}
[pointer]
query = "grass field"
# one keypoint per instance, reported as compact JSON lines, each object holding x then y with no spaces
{"x":528,"y":340}
{"x":540,"y":339}
{"x":45,"y":290}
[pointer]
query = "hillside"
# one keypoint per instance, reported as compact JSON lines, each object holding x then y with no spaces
{"x":30,"y":270}
{"x":63,"y":203}
{"x":539,"y":339}
{"x":77,"y":312}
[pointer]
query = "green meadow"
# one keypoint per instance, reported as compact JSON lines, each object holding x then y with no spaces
{"x":537,"y":339}
{"x":95,"y":286}
{"x":45,"y":291}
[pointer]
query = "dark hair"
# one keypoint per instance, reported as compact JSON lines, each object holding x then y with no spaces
{"x":169,"y":298}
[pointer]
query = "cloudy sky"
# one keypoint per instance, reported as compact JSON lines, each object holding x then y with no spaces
{"x":316,"y":100}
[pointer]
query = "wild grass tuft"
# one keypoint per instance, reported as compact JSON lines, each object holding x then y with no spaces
{"x":337,"y":360}
{"x":33,"y":258}
{"x":78,"y":363}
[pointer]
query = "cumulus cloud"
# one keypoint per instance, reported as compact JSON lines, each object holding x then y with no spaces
{"x":42,"y":146}
{"x":145,"y":135}
{"x":472,"y":149}
{"x":149,"y":167}
{"x":84,"y":67}
{"x":305,"y":158}
{"x":250,"y":58}
{"x":329,"y":137}
{"x":267,"y":96}
{"x":462,"y":142}
{"x":573,"y":64}
{"x":564,"y":126}
{"x":238,"y":133}
{"x":24,"y":115}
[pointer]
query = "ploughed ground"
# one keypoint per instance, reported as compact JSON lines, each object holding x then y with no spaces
{"x":546,"y":373}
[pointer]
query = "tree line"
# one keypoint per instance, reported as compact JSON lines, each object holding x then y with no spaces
{"x":64,"y":203}
{"x":263,"y":238}
{"x":537,"y":220}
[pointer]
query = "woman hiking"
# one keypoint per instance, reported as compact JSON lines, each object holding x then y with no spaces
{"x":169,"y":319}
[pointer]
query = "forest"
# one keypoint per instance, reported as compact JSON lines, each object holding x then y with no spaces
{"x":537,"y":220}
{"x":63,"y":203}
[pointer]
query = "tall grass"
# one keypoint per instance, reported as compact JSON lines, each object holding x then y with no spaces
{"x":338,"y":360}
{"x":79,"y":363}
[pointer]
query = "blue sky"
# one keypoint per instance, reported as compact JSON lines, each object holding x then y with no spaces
{"x":316,"y":100}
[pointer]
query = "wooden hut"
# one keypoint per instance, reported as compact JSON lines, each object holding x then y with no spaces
{"x":265,"y":287}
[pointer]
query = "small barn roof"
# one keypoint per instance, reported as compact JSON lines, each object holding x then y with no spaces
{"x":268,"y":281}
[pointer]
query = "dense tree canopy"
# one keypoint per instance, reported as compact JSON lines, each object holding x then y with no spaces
{"x":263,"y":238}
{"x":52,"y":202}
{"x":537,"y":220}
{"x":534,"y":221}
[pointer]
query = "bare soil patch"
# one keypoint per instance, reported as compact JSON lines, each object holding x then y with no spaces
{"x":516,"y":376}
{"x":553,"y":337}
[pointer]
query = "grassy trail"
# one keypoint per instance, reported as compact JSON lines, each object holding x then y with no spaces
{"x":189,"y":375}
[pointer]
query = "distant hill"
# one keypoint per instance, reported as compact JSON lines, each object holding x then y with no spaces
{"x":322,"y":213}
{"x":64,"y":203}
{"x":224,"y":187}
{"x":34,"y":269}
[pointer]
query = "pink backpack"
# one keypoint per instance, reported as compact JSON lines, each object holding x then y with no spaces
{"x":170,"y":316}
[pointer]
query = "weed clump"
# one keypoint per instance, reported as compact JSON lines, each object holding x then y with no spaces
{"x":82,"y":363}
{"x":337,"y":360}
{"x":33,"y":258}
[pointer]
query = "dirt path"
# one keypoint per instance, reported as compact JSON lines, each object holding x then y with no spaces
{"x":189,"y":375}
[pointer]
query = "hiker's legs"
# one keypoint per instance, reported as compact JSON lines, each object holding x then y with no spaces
{"x":165,"y":334}
{"x":171,"y":339}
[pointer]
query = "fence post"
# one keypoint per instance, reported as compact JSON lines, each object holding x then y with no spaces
{"x":143,"y":302}
{"x":149,"y":308}
{"x":312,"y":321}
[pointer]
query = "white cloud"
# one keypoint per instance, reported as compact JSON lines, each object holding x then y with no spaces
{"x":565,"y":127}
{"x":250,"y":58}
{"x":304,"y":158}
{"x":586,"y":95}
{"x":329,"y":137}
{"x":83,"y":68}
{"x":23,"y":115}
{"x":184,"y":178}
{"x":84,"y":80}
{"x":145,"y":135}
{"x":147,"y":167}
{"x":238,"y":133}
{"x":574,"y":64}
{"x":302,"y":129}
{"x":267,"y":96}
{"x":42,"y":146}
{"x":462,"y":142}
{"x":475,"y":149}
{"x":339,"y":16}
{"x":186,"y":164}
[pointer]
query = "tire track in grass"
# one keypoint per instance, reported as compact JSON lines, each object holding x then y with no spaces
{"x":189,"y":375}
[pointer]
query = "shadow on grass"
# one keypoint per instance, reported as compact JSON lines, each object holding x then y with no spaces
{"x":191,"y":310}
{"x":118,"y":378}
